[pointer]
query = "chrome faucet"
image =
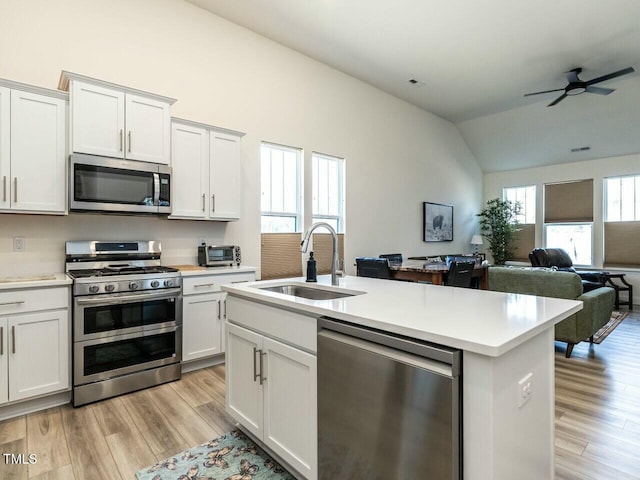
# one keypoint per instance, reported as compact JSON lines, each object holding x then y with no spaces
{"x":334,"y":261}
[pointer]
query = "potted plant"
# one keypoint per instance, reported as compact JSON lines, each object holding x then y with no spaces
{"x":498,"y":224}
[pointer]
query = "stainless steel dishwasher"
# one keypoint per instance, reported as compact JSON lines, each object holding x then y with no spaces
{"x":388,"y":406}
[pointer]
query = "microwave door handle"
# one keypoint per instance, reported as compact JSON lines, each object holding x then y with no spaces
{"x":156,"y":189}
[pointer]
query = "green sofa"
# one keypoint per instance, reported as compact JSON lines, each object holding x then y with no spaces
{"x":598,"y":303}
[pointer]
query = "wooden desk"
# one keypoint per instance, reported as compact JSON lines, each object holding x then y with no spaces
{"x":419,"y":271}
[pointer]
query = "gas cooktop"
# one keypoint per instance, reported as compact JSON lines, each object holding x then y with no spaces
{"x":111,"y":271}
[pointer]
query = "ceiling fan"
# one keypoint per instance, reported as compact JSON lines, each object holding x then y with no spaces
{"x":577,"y":86}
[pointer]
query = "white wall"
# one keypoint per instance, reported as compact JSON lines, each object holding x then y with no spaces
{"x":397,"y":156}
{"x":598,"y":170}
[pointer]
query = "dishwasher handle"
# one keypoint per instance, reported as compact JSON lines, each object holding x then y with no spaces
{"x":450,"y":358}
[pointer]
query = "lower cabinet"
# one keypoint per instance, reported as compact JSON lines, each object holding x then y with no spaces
{"x":272,"y":392}
{"x":34,"y":354}
{"x":202,"y":331}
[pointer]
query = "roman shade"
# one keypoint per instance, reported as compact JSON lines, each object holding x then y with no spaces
{"x":323,"y":251}
{"x":568,"y":202}
{"x":621,"y":246}
{"x":524,"y":242}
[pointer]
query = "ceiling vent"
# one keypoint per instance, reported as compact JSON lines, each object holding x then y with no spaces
{"x":580,"y":149}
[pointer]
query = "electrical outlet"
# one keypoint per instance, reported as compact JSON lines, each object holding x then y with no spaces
{"x":525,"y":389}
{"x":18,"y":244}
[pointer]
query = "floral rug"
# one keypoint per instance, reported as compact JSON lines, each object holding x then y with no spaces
{"x":232,"y":456}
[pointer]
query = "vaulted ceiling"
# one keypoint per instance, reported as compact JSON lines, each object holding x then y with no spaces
{"x":474,"y":60}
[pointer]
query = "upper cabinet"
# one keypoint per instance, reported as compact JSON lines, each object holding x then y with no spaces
{"x":116,"y":121}
{"x":32,"y":173}
{"x":205,"y":161}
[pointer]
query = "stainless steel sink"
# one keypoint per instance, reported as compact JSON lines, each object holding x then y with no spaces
{"x":311,"y":293}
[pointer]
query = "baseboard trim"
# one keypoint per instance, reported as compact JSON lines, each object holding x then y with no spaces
{"x":35,"y":405}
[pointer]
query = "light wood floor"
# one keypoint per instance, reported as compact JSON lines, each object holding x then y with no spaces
{"x":597,"y":421}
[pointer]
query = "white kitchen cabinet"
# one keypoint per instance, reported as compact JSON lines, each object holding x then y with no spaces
{"x":206,"y":171}
{"x":204,"y":311}
{"x":34,"y":343}
{"x":32,"y":149}
{"x":116,"y":121}
{"x":271,"y":391}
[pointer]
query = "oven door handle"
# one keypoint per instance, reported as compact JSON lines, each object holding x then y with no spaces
{"x":113,"y":299}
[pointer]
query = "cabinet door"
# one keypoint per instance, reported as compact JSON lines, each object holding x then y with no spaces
{"x":224,"y":176}
{"x":38,"y":151}
{"x":38,"y":354}
{"x":290,"y":406}
{"x":201,"y":325}
{"x":148,"y":129}
{"x":244,"y":392}
{"x":190,"y":166}
{"x":5,"y":151}
{"x":4,"y":364}
{"x":97,"y":120}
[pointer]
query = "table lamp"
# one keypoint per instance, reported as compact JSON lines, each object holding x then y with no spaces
{"x":476,"y":240}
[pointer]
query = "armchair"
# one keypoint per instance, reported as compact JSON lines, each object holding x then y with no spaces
{"x":559,"y":258}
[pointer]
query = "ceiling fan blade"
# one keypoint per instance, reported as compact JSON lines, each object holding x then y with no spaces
{"x":619,"y":73}
{"x":600,"y":90}
{"x":557,"y":100}
{"x":546,"y":91}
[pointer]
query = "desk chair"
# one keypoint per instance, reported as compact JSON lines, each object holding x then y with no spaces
{"x":460,"y":274}
{"x":394,"y":258}
{"x":373,"y":267}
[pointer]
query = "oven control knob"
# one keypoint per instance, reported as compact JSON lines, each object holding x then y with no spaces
{"x":168,"y":283}
{"x":155,"y":283}
{"x":133,"y":285}
{"x":109,"y":287}
{"x":94,"y":288}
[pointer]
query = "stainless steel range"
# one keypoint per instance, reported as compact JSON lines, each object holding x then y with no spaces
{"x":127,"y":318}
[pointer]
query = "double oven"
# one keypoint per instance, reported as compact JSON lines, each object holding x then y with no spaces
{"x":127,"y":318}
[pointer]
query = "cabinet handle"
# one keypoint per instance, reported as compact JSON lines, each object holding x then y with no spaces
{"x":203,"y":195}
{"x":213,"y":202}
{"x":204,"y":285}
{"x":225,"y":307}
{"x":4,"y":188}
{"x":15,"y":189}
{"x":13,"y":335}
{"x":255,"y":367}
{"x":17,"y":302}
{"x":1,"y":340}
{"x":121,"y":139}
{"x":129,"y":141}
{"x":262,"y":377}
{"x":219,"y":308}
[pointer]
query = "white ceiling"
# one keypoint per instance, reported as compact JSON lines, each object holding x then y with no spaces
{"x":476,"y":59}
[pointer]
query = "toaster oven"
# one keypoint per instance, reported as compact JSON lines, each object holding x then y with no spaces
{"x":219,"y":255}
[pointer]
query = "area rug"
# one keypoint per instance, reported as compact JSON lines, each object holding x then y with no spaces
{"x":616,"y":318}
{"x":232,"y":456}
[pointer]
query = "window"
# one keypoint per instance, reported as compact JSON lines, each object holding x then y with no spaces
{"x":526,"y":197}
{"x":327,"y":176}
{"x":280,"y":203}
{"x":622,"y":199}
{"x":575,"y":238}
{"x":568,"y":219}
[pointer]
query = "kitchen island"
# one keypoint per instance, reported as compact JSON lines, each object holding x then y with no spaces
{"x":504,"y":339}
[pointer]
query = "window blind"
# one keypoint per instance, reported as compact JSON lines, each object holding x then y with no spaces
{"x":568,"y":202}
{"x":524,"y":242}
{"x":621,"y":247}
{"x":323,"y":251}
{"x":281,"y":255}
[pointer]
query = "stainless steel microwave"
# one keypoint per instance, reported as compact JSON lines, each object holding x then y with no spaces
{"x":218,"y":255}
{"x":104,"y":184}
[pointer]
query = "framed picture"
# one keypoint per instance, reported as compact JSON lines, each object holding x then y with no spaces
{"x":437,"y":222}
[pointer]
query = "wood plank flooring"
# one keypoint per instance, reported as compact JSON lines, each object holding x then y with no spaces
{"x":597,"y":421}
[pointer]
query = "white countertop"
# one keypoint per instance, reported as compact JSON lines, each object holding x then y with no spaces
{"x":194,"y":271}
{"x":35,"y":281}
{"x":479,"y":321}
